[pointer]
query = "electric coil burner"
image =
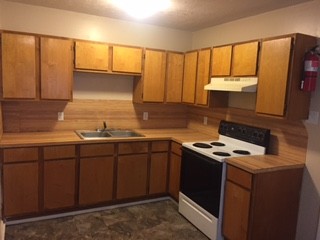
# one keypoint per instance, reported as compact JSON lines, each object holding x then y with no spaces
{"x":203,"y":172}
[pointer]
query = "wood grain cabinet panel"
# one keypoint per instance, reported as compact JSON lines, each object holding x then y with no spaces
{"x":97,"y":149}
{"x":189,"y":77}
{"x":96,"y":180}
{"x":221,"y":61}
{"x":59,"y":184}
{"x":20,"y":154}
{"x":20,"y":189}
{"x":133,"y":147}
{"x":174,"y":79}
{"x":132,"y":176}
{"x":154,"y":74}
{"x":174,"y":170}
{"x":203,"y":76}
{"x":91,"y":56}
{"x":59,"y":152}
{"x":19,"y":74}
{"x":158,"y":173}
{"x":126,"y":59}
{"x":56,"y":68}
{"x":245,"y":59}
{"x":272,"y":87}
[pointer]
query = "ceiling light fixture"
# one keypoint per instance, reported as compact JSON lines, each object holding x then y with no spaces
{"x":142,"y":8}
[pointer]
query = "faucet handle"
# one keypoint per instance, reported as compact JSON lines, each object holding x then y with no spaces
{"x":104,"y":124}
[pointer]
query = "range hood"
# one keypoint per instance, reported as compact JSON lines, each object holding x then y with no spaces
{"x":233,"y":84}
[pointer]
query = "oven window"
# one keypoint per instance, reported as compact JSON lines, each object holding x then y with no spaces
{"x":201,"y":180}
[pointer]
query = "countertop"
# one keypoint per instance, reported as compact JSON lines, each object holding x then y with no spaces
{"x":70,"y":137}
{"x":252,"y":164}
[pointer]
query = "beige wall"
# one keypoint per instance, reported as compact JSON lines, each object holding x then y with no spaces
{"x":303,"y":18}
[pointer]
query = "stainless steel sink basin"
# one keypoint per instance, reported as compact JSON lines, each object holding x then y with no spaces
{"x":108,"y":133}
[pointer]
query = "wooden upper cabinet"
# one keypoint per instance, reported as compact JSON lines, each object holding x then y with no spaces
{"x":154,"y":74}
{"x":189,"y":77}
{"x":221,"y":61}
{"x":19,"y":64}
{"x":203,"y":75}
{"x":56,"y":68}
{"x":126,"y":59}
{"x":273,"y":75}
{"x":91,"y":56}
{"x":235,"y":60}
{"x":244,"y":59}
{"x":174,"y":77}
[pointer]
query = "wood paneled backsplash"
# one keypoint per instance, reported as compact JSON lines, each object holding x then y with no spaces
{"x":289,"y":139}
{"x":24,"y":116}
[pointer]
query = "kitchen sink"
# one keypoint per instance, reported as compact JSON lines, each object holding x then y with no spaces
{"x":108,"y":133}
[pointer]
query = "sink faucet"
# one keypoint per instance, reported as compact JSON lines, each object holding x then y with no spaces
{"x":104,"y":125}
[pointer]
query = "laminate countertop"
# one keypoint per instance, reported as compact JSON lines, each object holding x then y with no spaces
{"x":70,"y":137}
{"x":252,"y":164}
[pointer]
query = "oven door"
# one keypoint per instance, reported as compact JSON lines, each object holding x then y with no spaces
{"x":201,"y":180}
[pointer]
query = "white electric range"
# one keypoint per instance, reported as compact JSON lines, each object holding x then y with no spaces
{"x":203,"y":172}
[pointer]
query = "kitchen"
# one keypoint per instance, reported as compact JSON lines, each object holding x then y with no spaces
{"x":300,"y":18}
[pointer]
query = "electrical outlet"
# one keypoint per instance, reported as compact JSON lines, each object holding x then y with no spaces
{"x":145,"y":116}
{"x":60,"y":116}
{"x":205,"y":120}
{"x":313,"y":118}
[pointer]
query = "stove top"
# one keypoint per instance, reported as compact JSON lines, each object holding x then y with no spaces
{"x":235,"y":140}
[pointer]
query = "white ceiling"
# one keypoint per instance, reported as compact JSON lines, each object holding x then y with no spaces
{"x":187,"y":15}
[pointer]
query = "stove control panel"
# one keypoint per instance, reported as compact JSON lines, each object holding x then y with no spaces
{"x":255,"y":135}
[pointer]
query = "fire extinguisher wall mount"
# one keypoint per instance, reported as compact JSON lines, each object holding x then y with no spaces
{"x":311,"y":64}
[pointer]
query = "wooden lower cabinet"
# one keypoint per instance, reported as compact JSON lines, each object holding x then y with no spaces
{"x":20,"y":189}
{"x":158,"y":173}
{"x":261,"y":206}
{"x":132,"y":176}
{"x":59,"y":184}
{"x":96,"y":180}
{"x":174,"y":170}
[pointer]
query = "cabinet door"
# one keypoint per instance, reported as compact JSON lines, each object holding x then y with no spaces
{"x":154,"y":76}
{"x":158,"y":173}
{"x":203,"y":75}
{"x":59,"y":184}
{"x":174,"y":78}
{"x":132,"y":176}
{"x":189,"y":77}
{"x":273,"y":76}
{"x":244,"y":59}
{"x":126,"y":59}
{"x":236,"y":212}
{"x":20,"y":189}
{"x":96,"y":180}
{"x":221,"y":61}
{"x":174,"y":175}
{"x":19,"y":66}
{"x":56,"y":69}
{"x":91,"y":56}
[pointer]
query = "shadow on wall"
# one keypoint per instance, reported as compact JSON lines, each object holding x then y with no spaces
{"x":309,"y":209}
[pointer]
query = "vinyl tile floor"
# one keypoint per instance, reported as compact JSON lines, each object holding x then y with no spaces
{"x":151,"y":221}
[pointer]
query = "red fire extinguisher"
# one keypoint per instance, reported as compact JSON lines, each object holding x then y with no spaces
{"x":310,"y":71}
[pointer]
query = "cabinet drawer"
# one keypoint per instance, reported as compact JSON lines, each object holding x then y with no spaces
{"x":20,"y":154}
{"x":133,"y":147}
{"x":239,"y":176}
{"x":160,"y":146}
{"x":59,"y":152}
{"x":92,"y":150}
{"x":176,"y":148}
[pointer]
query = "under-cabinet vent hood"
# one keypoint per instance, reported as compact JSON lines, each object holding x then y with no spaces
{"x":233,"y":84}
